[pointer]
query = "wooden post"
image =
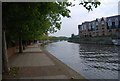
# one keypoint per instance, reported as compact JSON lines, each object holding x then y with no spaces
{"x":4,"y":54}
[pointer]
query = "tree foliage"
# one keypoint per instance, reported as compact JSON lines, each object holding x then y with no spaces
{"x":90,"y":4}
{"x":30,"y":20}
{"x":72,"y":35}
{"x":53,"y":38}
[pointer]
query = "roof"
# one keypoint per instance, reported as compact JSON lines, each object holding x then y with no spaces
{"x":103,"y":18}
{"x":113,"y":17}
{"x":99,"y":19}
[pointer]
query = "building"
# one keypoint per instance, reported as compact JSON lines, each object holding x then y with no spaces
{"x":113,"y":25}
{"x":100,"y":27}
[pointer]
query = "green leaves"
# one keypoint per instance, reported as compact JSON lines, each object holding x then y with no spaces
{"x":89,"y":5}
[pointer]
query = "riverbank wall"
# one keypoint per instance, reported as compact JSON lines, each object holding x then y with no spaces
{"x":92,"y":40}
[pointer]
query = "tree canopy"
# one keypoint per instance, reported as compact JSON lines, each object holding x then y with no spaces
{"x":30,"y":20}
{"x":90,"y":4}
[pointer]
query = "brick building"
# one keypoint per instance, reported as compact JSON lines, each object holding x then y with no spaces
{"x":108,"y":26}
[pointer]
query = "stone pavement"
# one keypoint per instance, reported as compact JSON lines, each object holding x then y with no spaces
{"x":35,"y":63}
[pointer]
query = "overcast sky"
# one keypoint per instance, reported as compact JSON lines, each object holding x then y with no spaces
{"x":79,"y":14}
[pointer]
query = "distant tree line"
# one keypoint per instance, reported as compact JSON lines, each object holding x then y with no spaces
{"x":53,"y":38}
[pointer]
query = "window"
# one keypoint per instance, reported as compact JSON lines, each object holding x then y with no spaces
{"x":84,"y":26}
{"x":96,"y":28}
{"x":107,"y":26}
{"x":93,"y":25}
{"x":109,"y":22}
{"x":89,"y":26}
{"x":116,"y":22}
{"x":81,"y":27}
{"x":96,"y":23}
{"x":113,"y":24}
{"x":102,"y":22}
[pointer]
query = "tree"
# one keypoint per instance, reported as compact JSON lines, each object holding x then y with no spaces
{"x":72,"y":35}
{"x":4,"y":56}
{"x":90,"y":4}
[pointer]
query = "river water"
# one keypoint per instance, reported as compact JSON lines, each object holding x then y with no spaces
{"x":91,"y":61}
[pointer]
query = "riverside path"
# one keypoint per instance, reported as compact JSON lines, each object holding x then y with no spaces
{"x":36,"y":63}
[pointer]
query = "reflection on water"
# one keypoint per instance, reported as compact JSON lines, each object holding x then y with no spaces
{"x":101,"y":57}
{"x":91,"y":61}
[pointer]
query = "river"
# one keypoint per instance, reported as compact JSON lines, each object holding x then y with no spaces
{"x":91,"y":61}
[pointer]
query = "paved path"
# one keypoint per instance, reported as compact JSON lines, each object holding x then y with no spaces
{"x":35,"y":63}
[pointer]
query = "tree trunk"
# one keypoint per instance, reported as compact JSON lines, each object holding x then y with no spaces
{"x":4,"y":54}
{"x":24,"y":44}
{"x":20,"y":45}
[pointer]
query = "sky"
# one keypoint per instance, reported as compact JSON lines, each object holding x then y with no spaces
{"x":79,"y":14}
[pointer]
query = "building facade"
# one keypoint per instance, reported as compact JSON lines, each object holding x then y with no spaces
{"x":108,"y":26}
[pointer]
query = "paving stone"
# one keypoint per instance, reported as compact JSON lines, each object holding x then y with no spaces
{"x":47,"y":77}
{"x":39,"y":71}
{"x":32,"y":49}
{"x":36,"y":59}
